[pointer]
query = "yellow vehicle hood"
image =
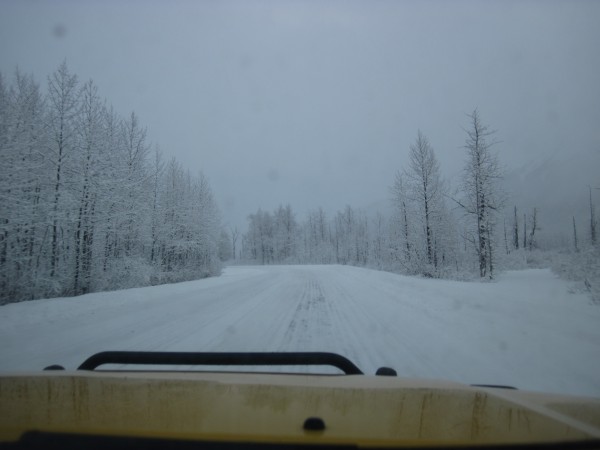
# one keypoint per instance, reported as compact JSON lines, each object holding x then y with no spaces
{"x":356,"y":410}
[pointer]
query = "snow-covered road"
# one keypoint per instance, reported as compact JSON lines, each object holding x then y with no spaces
{"x":524,"y":330}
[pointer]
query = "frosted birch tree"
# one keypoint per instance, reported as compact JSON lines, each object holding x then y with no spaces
{"x":63,"y":108}
{"x":23,"y":186}
{"x":135,"y":159}
{"x":401,"y":205}
{"x":425,"y":190}
{"x":88,"y":164}
{"x":481,"y":192}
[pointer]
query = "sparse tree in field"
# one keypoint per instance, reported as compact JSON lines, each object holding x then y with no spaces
{"x":481,"y":193}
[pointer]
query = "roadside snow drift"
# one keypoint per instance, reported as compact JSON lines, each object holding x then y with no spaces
{"x":526,"y":329}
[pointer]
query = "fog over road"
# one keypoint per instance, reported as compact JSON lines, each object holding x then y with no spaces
{"x":525,"y":330}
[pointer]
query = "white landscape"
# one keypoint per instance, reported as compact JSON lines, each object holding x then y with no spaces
{"x":527,"y":329}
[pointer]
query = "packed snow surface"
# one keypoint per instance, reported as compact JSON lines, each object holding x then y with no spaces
{"x":525,"y":330}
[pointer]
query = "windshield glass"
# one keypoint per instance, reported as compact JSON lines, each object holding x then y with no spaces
{"x":408,"y":184}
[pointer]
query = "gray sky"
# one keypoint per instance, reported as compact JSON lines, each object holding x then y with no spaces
{"x":315,"y":103}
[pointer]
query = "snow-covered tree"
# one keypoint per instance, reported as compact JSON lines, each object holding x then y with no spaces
{"x":135,"y":172}
{"x":593,"y":220}
{"x":284,"y":234}
{"x":379,"y":242}
{"x":401,"y":204}
{"x":425,"y":183}
{"x":516,"y":230}
{"x":272,"y":238}
{"x":225,"y":252}
{"x":534,"y":227}
{"x":317,"y":240}
{"x":157,"y":173}
{"x":424,"y":236}
{"x":81,"y":206}
{"x":86,"y":183}
{"x":351,"y":237}
{"x":424,"y":186}
{"x":63,"y":108}
{"x":235,"y":235}
{"x":23,"y":187}
{"x":481,"y":192}
{"x":259,"y":238}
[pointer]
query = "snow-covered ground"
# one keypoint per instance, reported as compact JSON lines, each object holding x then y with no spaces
{"x":525,"y":330}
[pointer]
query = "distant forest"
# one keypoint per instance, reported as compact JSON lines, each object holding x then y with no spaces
{"x":86,"y":205}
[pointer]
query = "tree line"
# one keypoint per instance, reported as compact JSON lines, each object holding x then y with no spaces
{"x":85,"y":205}
{"x":428,"y":230}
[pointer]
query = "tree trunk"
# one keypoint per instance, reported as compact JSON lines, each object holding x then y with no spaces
{"x":592,"y":220}
{"x":575,"y":235}
{"x":533,"y":229}
{"x":525,"y":231}
{"x":516,"y":231}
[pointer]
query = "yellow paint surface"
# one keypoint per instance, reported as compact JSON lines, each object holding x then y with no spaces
{"x":361,"y":410}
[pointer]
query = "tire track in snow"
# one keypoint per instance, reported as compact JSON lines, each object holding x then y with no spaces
{"x":310,"y":320}
{"x":380,"y":327}
{"x":329,"y":317}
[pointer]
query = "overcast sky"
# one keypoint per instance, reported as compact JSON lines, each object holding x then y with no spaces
{"x":315,"y":103}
